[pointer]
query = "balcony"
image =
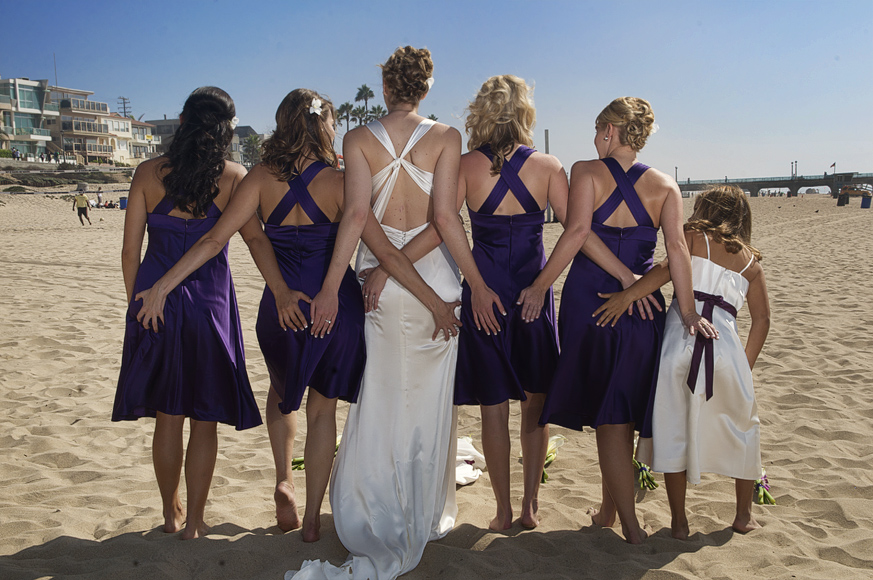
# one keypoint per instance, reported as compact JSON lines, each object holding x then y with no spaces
{"x":29,"y":133}
{"x":146,"y":139}
{"x":89,"y":148}
{"x":85,"y":106}
{"x":6,"y":102}
{"x":84,"y":127}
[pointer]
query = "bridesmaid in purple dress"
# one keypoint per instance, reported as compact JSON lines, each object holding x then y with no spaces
{"x":507,"y":185}
{"x":605,"y":376}
{"x":190,"y":362}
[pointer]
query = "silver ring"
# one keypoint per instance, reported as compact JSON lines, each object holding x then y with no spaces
{"x":328,"y":321}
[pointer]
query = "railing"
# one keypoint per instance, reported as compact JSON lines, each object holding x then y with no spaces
{"x":90,"y":148}
{"x":4,"y":100}
{"x":7,"y":130}
{"x":84,"y":127}
{"x":32,"y":131}
{"x":51,"y":107}
{"x":149,"y":139}
{"x":85,"y":105}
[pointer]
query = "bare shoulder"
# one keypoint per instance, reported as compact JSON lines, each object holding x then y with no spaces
{"x":545,"y":161}
{"x":234,"y":169}
{"x":447,"y":135}
{"x":587,"y":167}
{"x":660,"y":180}
{"x":356,"y":137}
{"x":149,"y":170}
{"x":755,"y":273}
{"x":474,"y":160}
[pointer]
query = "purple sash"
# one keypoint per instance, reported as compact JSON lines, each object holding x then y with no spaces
{"x":703,"y":345}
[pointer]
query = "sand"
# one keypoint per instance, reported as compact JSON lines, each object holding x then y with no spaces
{"x":79,"y":499}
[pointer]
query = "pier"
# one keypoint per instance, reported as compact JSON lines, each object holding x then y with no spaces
{"x":754,"y":185}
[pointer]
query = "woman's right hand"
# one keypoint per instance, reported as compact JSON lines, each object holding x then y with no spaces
{"x":697,"y":323}
{"x":644,"y":305}
{"x":484,"y":300}
{"x":531,"y":301}
{"x":288,"y":307}
{"x":445,"y":321}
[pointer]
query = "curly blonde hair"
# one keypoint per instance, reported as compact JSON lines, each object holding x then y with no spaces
{"x":299,"y":134}
{"x":632,"y":116}
{"x":723,"y":212}
{"x":405,"y":74}
{"x":501,"y":115}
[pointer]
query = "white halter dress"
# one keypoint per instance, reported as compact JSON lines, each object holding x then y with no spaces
{"x":393,"y":483}
{"x":715,"y":429}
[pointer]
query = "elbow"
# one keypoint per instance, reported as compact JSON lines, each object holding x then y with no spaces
{"x":578,"y":235}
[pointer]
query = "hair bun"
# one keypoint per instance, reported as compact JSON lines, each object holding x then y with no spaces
{"x":633,"y":117}
{"x":405,"y":74}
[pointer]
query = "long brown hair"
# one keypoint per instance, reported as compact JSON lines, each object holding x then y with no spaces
{"x":724,"y":213}
{"x":299,"y":134}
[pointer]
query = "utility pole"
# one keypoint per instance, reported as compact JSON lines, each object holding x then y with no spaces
{"x":124,"y":106}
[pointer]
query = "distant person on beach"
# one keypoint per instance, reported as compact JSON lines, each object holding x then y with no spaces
{"x":311,"y":318}
{"x":606,"y":376}
{"x":705,"y":416}
{"x":507,"y":186}
{"x":189,"y":360}
{"x":99,"y":197}
{"x":82,"y":203}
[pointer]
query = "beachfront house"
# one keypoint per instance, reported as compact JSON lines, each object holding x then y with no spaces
{"x":83,"y":130}
{"x":25,"y":113}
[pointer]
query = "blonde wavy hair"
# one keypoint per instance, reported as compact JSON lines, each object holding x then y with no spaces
{"x":299,"y":135}
{"x":632,"y":116}
{"x":501,"y":115}
{"x":405,"y":74}
{"x":724,"y":213}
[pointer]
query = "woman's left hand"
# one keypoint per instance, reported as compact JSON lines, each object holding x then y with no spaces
{"x":152,"y":310}
{"x":616,"y":305}
{"x":323,"y":310}
{"x":696,"y":323}
{"x":374,"y":282}
{"x":531,"y":301}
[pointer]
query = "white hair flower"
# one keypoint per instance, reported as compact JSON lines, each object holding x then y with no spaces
{"x":430,"y":82}
{"x":234,"y":122}
{"x":315,"y":107}
{"x":655,"y":128}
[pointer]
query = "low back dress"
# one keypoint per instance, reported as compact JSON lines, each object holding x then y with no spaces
{"x":195,"y":364}
{"x":509,"y":253}
{"x":606,"y":375}
{"x":332,"y":365}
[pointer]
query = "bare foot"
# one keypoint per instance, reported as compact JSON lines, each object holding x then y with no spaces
{"x":501,"y":522}
{"x":598,"y":519}
{"x":175,"y":520}
{"x":312,"y":529}
{"x":191,"y":531}
{"x":745,"y":524}
{"x":635,"y":537}
{"x":286,"y":507}
{"x":679,"y":529}
{"x":529,"y":518}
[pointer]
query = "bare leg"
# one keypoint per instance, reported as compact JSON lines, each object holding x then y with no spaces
{"x":167,"y":458}
{"x":318,"y":457}
{"x":676,"y":485}
{"x":615,"y":446}
{"x":282,"y":430}
{"x":495,"y":447}
{"x":534,"y":443}
{"x":199,"y":466}
{"x":605,"y":516}
{"x":745,"y":521}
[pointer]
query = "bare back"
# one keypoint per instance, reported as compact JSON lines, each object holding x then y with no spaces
{"x":326,"y":190}
{"x":537,"y":173}
{"x":653,"y":189}
{"x":409,"y":206}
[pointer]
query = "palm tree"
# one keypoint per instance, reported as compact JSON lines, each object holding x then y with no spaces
{"x":365,"y":93}
{"x":377,"y":111}
{"x":432,"y":117}
{"x":345,"y":110}
{"x":252,"y":149}
{"x":359,"y":114}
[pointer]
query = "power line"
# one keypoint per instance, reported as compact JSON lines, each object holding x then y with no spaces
{"x":124,"y":106}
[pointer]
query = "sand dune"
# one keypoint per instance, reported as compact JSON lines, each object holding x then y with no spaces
{"x":79,"y":499}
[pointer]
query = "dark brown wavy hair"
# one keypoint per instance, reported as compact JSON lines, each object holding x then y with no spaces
{"x":724,"y":213}
{"x":199,"y":149}
{"x":405,"y":74}
{"x":299,"y":135}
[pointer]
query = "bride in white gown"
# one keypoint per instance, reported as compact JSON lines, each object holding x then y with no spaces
{"x":393,"y":485}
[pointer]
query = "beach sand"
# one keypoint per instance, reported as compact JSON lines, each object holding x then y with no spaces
{"x":79,"y":498}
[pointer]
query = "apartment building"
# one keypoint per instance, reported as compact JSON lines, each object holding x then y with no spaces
{"x":25,"y":116}
{"x":83,"y":128}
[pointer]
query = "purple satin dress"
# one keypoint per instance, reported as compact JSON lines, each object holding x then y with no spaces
{"x":508,"y":250}
{"x":606,"y":376}
{"x":332,"y":365}
{"x":194,"y":365}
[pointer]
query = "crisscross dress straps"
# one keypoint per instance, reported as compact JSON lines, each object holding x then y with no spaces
{"x":298,"y":193}
{"x":624,"y":191}
{"x":385,"y":180}
{"x":509,"y":180}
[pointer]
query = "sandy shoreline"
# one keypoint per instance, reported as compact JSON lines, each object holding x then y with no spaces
{"x":78,"y":493}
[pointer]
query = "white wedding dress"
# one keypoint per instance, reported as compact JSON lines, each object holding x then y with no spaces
{"x":393,"y":483}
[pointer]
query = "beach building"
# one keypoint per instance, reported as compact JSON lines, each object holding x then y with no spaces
{"x":132,"y":141}
{"x":25,"y":116}
{"x":83,"y":130}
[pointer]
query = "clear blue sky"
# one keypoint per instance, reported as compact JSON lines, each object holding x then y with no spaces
{"x":739,"y":89}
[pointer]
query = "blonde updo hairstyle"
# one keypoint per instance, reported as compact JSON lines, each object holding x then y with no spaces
{"x":723,"y":213}
{"x":299,"y":135}
{"x":501,"y":115}
{"x":405,"y":74}
{"x":633,"y":117}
